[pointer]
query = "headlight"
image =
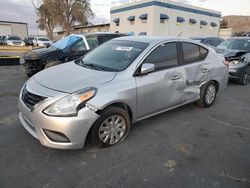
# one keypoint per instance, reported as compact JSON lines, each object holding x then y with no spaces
{"x":71,"y":104}
{"x":236,"y":62}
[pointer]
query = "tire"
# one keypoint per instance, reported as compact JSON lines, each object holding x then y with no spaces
{"x":208,"y":94}
{"x":102,"y":132}
{"x":244,"y":79}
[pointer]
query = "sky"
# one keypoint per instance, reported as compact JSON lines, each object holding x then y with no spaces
{"x":23,"y":10}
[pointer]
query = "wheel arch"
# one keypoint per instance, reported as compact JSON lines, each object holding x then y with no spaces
{"x":120,"y":105}
{"x":217,"y":84}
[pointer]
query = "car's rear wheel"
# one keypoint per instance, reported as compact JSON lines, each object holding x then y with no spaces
{"x":208,"y":94}
{"x":111,"y":128}
{"x":244,"y":79}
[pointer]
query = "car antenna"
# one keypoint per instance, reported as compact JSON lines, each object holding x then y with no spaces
{"x":180,"y":34}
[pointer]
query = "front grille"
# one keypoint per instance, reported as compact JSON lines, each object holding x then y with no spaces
{"x":30,"y":99}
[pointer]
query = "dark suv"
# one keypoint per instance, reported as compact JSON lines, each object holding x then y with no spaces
{"x":67,"y":49}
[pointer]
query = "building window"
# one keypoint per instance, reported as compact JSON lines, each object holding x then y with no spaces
{"x":131,"y":19}
{"x":163,"y":17}
{"x":180,"y":19}
{"x":213,"y":24}
{"x":192,"y":21}
{"x":143,"y":18}
{"x":117,"y":21}
{"x":142,"y":33}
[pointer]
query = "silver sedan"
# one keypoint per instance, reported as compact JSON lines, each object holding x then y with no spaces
{"x":119,"y":83}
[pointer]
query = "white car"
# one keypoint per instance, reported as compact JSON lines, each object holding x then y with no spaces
{"x":41,"y":41}
{"x":14,"y":41}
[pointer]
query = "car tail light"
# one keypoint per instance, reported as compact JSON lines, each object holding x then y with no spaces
{"x":225,"y":62}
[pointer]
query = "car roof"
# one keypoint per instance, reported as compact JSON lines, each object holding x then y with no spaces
{"x":100,"y":33}
{"x":152,"y":39}
{"x":245,"y":38}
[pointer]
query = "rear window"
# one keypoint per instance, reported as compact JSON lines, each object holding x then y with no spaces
{"x":14,"y":38}
{"x":193,"y":53}
{"x":42,"y":39}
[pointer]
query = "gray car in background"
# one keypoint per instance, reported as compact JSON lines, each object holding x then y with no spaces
{"x":119,"y":83}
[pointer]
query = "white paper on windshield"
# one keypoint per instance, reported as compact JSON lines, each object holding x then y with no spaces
{"x":124,"y":48}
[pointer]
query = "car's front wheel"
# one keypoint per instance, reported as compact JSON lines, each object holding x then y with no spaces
{"x":208,"y":94}
{"x":111,"y":128}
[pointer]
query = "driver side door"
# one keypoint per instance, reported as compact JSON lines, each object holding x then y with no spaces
{"x":162,"y":88}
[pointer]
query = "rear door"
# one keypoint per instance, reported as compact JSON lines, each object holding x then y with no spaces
{"x":164,"y":87}
{"x":196,"y":68}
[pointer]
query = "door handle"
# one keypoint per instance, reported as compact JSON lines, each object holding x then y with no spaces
{"x":175,"y":78}
{"x":205,"y":70}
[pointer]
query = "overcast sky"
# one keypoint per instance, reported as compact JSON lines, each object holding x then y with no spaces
{"x":23,"y":11}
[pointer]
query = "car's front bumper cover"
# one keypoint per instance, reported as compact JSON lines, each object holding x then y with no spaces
{"x":73,"y":129}
{"x":236,"y":71}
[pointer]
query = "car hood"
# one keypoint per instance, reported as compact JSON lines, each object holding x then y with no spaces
{"x":70,"y":77}
{"x":231,"y":53}
{"x":40,"y":53}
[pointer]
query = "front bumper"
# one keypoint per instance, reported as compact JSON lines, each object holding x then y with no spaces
{"x":75,"y":129}
{"x":236,"y":71}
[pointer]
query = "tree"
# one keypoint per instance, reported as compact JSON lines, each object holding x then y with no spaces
{"x":72,"y":12}
{"x":224,"y":23}
{"x":47,"y":12}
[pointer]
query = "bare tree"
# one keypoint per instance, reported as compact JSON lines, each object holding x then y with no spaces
{"x":72,"y":12}
{"x":47,"y":13}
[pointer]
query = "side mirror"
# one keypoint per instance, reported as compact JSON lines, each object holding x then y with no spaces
{"x":147,"y":68}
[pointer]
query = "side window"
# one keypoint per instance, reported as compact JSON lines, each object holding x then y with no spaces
{"x":79,"y":46}
{"x":215,"y":42}
{"x":164,"y":56}
{"x":92,"y":42}
{"x":193,"y":53}
{"x":208,"y":41}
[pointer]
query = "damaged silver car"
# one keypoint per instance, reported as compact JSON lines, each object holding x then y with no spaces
{"x":119,"y":83}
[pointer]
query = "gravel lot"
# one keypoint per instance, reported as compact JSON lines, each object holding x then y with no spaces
{"x":188,"y":147}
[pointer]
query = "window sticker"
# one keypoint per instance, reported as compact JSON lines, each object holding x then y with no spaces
{"x":124,"y":48}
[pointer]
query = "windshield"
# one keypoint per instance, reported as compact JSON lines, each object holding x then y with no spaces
{"x":14,"y":38}
{"x":113,"y":55}
{"x":235,"y":44}
{"x":42,"y":39}
{"x":67,"y":41}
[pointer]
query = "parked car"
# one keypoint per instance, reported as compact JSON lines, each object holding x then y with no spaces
{"x":210,"y":41}
{"x":237,"y":53}
{"x":247,"y":34}
{"x":2,"y":39}
{"x":29,"y":41}
{"x":119,"y":83}
{"x":41,"y":41}
{"x":64,"y":50}
{"x":14,"y":41}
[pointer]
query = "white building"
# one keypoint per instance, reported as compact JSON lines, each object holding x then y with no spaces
{"x":164,"y":17}
{"x":13,"y":28}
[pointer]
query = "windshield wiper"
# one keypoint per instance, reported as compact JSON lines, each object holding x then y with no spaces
{"x":92,"y":65}
{"x":97,"y":67}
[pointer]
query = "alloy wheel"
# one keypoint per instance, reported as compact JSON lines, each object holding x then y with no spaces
{"x":210,"y":94}
{"x":112,"y":129}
